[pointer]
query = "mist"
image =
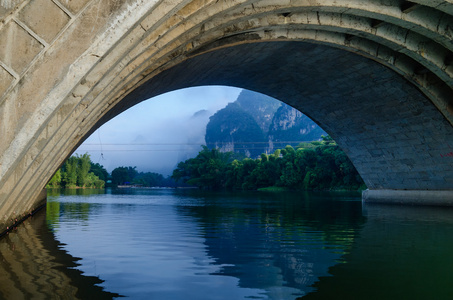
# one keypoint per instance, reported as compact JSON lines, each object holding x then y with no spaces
{"x":157,"y":134}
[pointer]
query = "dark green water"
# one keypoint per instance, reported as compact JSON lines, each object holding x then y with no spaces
{"x":184,"y":244}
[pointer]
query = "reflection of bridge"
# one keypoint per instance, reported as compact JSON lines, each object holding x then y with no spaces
{"x":376,"y":74}
{"x":33,"y":266}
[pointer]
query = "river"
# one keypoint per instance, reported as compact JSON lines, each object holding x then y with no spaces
{"x":187,"y":244}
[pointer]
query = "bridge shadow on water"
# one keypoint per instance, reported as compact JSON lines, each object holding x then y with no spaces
{"x":33,"y":266}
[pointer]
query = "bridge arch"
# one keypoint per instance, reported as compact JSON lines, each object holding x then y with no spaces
{"x":376,"y":74}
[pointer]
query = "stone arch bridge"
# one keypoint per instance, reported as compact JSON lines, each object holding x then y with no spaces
{"x":376,"y":74}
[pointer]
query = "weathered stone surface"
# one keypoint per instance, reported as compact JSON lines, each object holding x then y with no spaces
{"x":8,"y":6}
{"x":74,"y":6}
{"x":376,"y":74}
{"x":17,"y":47}
{"x":44,"y":17}
{"x":5,"y":80}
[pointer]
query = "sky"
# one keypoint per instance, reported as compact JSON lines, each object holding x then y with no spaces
{"x":156,"y":134}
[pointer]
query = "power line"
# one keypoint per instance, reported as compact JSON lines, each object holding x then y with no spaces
{"x":189,"y":144}
{"x":102,"y":152}
{"x":158,"y":150}
{"x":264,"y":147}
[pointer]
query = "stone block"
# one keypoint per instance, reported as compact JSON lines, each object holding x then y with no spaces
{"x":74,"y":6}
{"x":36,"y":16}
{"x":17,"y":47}
{"x":5,"y":80}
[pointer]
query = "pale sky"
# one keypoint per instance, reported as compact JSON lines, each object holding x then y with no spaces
{"x":158,"y":133}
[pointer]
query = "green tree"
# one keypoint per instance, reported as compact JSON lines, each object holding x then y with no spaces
{"x":289,"y":177}
{"x":182,"y":172}
{"x":99,"y":171}
{"x":246,"y":177}
{"x":207,"y":170}
{"x":233,"y":180}
{"x":123,"y":175}
{"x":83,"y":168}
{"x":313,"y":166}
{"x":55,"y":181}
{"x":70,"y":172}
{"x":149,"y":179}
{"x":75,"y":172}
{"x":327,"y":140}
{"x":94,"y":181}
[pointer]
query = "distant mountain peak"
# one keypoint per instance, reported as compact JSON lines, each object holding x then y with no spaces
{"x":201,"y":113}
{"x":261,"y":107}
{"x":256,"y":123}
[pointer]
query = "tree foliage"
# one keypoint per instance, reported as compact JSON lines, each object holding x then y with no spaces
{"x":76,"y":172}
{"x":130,"y":176}
{"x":208,"y":169}
{"x":80,"y":172}
{"x":99,"y":170}
{"x":83,"y":168}
{"x":123,"y":175}
{"x":311,"y":166}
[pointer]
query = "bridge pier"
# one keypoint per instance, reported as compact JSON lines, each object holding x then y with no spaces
{"x":18,"y":217}
{"x":409,"y":197}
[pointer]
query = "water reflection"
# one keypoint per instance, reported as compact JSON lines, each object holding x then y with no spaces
{"x":280,"y":247}
{"x":403,"y":252}
{"x":274,"y":246}
{"x":165,"y":244}
{"x":33,"y":266}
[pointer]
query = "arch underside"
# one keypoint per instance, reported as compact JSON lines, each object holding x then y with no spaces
{"x":376,"y":74}
{"x":391,"y":131}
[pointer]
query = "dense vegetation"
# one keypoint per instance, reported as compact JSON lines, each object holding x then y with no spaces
{"x":79,"y":171}
{"x":311,"y":166}
{"x":130,"y":176}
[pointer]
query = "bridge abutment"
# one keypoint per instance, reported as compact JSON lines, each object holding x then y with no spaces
{"x":409,"y":197}
{"x":8,"y":224}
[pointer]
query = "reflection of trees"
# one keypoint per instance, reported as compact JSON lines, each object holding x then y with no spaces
{"x":73,"y":192}
{"x":402,"y":253}
{"x":71,"y":210}
{"x":32,"y":266}
{"x":266,"y":245}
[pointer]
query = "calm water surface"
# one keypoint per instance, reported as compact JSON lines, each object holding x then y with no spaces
{"x":184,"y":244}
